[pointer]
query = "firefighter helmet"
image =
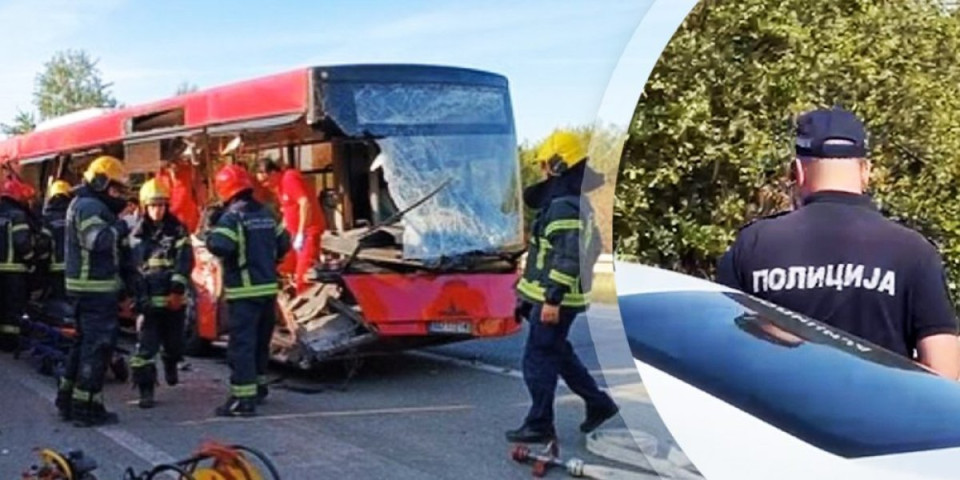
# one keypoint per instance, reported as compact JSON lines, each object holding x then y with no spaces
{"x":17,"y":190}
{"x":58,"y":187}
{"x":105,"y":170}
{"x":231,"y":180}
{"x":154,"y":193}
{"x":560,"y":151}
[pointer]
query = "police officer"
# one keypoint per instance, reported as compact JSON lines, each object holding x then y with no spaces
{"x":564,"y":247}
{"x":16,"y":256}
{"x":54,"y":224}
{"x":161,"y":251}
{"x":95,"y":240}
{"x":837,"y":259}
{"x":250,"y":243}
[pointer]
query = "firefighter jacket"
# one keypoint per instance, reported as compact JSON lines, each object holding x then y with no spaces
{"x":250,"y":243}
{"x":17,"y":238}
{"x":564,"y":243}
{"x":163,"y":256}
{"x":54,"y":221}
{"x":96,"y":247}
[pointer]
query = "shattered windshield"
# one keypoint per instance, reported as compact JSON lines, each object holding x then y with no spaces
{"x":478,"y":211}
{"x":430,"y":133}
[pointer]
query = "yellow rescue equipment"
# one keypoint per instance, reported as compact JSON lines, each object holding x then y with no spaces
{"x":212,"y":461}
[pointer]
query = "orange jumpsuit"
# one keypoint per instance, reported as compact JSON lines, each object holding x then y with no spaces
{"x":291,"y":188}
{"x":183,"y":202}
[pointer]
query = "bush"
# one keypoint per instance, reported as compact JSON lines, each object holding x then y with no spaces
{"x":711,"y":138}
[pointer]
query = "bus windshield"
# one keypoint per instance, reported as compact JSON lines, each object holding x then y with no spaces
{"x":432,"y":133}
{"x":819,"y":384}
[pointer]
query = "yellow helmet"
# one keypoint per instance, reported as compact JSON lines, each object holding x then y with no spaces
{"x":563,"y":145}
{"x":153,"y":192}
{"x":58,"y":187}
{"x":105,"y":169}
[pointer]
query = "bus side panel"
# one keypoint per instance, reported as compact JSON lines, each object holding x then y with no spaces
{"x":399,"y":305}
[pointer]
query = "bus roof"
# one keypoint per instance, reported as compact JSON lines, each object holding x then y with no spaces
{"x":288,"y":95}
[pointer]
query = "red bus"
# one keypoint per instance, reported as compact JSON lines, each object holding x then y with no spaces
{"x":416,"y":169}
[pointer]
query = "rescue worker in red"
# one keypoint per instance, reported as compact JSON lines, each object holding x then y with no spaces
{"x":177,"y":177}
{"x":301,"y":212}
{"x":162,"y":253}
{"x":16,"y":256}
{"x":250,"y":243}
{"x":54,"y":223}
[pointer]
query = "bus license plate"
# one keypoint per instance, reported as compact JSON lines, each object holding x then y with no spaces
{"x":450,"y":327}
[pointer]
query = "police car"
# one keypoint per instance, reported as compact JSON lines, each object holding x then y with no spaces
{"x":753,"y":391}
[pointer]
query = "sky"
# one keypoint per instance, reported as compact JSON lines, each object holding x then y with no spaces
{"x":557,"y":54}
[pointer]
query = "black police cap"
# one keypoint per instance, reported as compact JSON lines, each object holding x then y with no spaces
{"x":834,"y":133}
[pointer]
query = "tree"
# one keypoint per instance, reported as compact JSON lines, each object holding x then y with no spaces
{"x":23,"y":122}
{"x":710,"y":141}
{"x":185,"y":87}
{"x":70,"y":81}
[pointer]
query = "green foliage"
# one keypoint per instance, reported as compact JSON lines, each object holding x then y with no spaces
{"x":604,"y":152}
{"x":23,"y":122}
{"x":711,"y":139}
{"x":70,"y":81}
{"x":185,"y":87}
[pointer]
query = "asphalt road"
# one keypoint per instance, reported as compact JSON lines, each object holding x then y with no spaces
{"x":433,"y":414}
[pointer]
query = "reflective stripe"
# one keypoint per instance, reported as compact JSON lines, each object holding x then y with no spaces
{"x":563,"y":278}
{"x":10,"y":329}
{"x":251,"y":292}
{"x":89,"y":223}
{"x":262,"y":380}
{"x":81,"y":395}
{"x":84,"y":264}
{"x":13,"y":267}
{"x":20,"y":227}
{"x":241,"y":391}
{"x":158,"y":301}
{"x":137,"y":362}
{"x":242,"y":260}
{"x":65,"y":385}
{"x":558,"y":225}
{"x":279,"y":229}
{"x":58,"y":266}
{"x":544,"y":247}
{"x":177,"y":278}
{"x":159,"y":262}
{"x":226,"y":232}
{"x":182,"y":242}
{"x":535,"y":292}
{"x":102,"y":286}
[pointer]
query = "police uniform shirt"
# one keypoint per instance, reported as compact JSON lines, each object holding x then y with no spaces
{"x":839,"y":260}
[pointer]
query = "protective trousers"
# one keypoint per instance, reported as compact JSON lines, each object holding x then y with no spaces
{"x":90,"y":354}
{"x":55,"y":285}
{"x":13,"y":293}
{"x":250,"y":325}
{"x":549,"y":355}
{"x":160,"y":327}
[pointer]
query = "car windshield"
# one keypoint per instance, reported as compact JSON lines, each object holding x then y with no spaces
{"x":433,"y":133}
{"x":819,"y":384}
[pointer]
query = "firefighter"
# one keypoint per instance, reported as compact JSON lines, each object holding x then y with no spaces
{"x":557,"y":278}
{"x":17,"y":243}
{"x":95,"y":240}
{"x":162,"y":253}
{"x":250,"y":243}
{"x":54,"y":222}
{"x":301,"y":212}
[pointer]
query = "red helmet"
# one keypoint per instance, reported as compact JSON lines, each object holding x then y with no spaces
{"x":231,"y":180}
{"x":17,"y":190}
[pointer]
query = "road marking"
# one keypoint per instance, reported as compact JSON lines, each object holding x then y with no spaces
{"x":473,"y":364}
{"x":340,"y":413}
{"x":142,"y":449}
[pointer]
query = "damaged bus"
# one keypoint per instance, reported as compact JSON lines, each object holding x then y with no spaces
{"x":415,"y":168}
